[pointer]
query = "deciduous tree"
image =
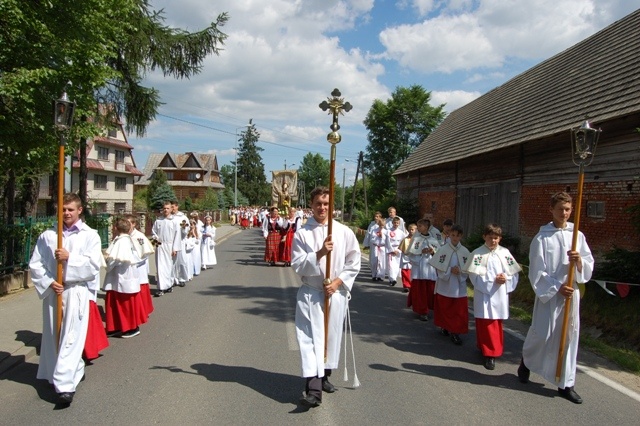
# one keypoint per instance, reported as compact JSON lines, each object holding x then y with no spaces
{"x":396,"y":127}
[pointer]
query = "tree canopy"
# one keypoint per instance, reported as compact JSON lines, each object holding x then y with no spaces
{"x":313,"y":171}
{"x":251,"y":179}
{"x":104,"y":48}
{"x":396,"y":127}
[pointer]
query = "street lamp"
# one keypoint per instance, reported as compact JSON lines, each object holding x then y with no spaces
{"x":584,"y":140}
{"x":235,"y":171}
{"x":62,"y":120}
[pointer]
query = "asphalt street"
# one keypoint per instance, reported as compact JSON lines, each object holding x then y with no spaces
{"x":222,"y":351}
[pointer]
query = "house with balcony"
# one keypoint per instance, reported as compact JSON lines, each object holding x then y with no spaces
{"x":111,"y":170}
{"x":190,"y":174}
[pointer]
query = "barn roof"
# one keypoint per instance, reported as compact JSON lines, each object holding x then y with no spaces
{"x":598,"y":79}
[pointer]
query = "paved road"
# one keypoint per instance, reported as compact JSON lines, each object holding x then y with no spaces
{"x":222,"y":351}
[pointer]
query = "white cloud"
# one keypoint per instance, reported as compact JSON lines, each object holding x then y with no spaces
{"x":453,"y":99}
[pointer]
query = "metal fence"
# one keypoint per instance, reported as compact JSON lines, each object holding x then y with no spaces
{"x":18,"y":239}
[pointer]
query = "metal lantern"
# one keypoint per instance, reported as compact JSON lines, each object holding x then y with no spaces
{"x":63,"y":112}
{"x":583,"y":144}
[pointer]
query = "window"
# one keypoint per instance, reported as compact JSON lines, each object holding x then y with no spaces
{"x":101,"y":207}
{"x":193,"y":176}
{"x":121,"y":183}
{"x":113,"y":133}
{"x":119,"y":156}
{"x":119,"y":207}
{"x":100,"y":182}
{"x":595,"y":209}
{"x":103,"y":153}
{"x":169,"y":175}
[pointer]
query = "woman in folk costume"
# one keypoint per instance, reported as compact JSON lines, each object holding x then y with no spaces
{"x":123,"y":304}
{"x":193,"y":248}
{"x":375,"y":239}
{"x":451,"y":304}
{"x":291,"y":226}
{"x":145,"y":249}
{"x":271,"y":229}
{"x":494,"y":274}
{"x":405,"y":263}
{"x":423,"y":275}
{"x":394,"y":237}
{"x":244,"y":218}
{"x":208,"y":250}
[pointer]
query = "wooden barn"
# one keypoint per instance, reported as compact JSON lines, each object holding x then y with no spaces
{"x":501,"y":157}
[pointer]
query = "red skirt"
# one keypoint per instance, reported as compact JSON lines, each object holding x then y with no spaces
{"x":421,"y":296}
{"x":244,"y":222}
{"x":452,"y":314}
{"x":406,"y":278}
{"x":285,"y":254}
{"x":96,"y":336}
{"x":125,"y":311}
{"x":145,"y":293}
{"x":272,"y":247}
{"x":489,"y":336}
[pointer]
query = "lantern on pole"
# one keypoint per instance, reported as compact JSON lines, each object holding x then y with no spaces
{"x":63,"y":110}
{"x":584,"y":140}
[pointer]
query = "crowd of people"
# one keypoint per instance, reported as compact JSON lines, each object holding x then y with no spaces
{"x":182,"y":246}
{"x":433,"y":265}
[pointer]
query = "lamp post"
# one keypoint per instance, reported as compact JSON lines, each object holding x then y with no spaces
{"x":62,"y":120}
{"x":584,"y":140}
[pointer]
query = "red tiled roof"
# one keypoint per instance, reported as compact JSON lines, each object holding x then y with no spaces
{"x":112,"y":142}
{"x":91,"y":164}
{"x":133,"y":170}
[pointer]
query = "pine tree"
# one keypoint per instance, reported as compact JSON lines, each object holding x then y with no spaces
{"x":252,"y":182}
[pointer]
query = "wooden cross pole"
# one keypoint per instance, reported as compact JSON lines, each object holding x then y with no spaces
{"x":336,"y":106}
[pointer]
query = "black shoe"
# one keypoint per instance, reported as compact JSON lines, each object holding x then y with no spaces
{"x":310,"y":401}
{"x":423,"y":317}
{"x":523,"y":372}
{"x":489,"y":363}
{"x":272,"y":263}
{"x":444,"y":332}
{"x":328,"y":387}
{"x":181,"y":284}
{"x":131,"y":333}
{"x":169,"y":290}
{"x":65,"y":397}
{"x":456,"y":339}
{"x":392,"y":283}
{"x":570,"y":394}
{"x":159,"y":293}
{"x":405,"y":290}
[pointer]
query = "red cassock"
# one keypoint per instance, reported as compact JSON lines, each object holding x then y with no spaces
{"x":406,"y":278}
{"x":421,"y":297}
{"x":125,"y":311}
{"x":452,"y":314}
{"x":96,"y":336}
{"x":490,"y":336}
{"x":147,"y":300}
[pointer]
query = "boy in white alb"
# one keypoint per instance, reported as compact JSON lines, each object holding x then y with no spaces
{"x":375,"y":239}
{"x":423,"y":275}
{"x":61,"y":364}
{"x":394,"y":237}
{"x":165,"y":233}
{"x":145,"y":249}
{"x":451,"y":303}
{"x":550,"y":256}
{"x":494,"y":274}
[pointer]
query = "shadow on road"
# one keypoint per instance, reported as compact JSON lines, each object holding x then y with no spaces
{"x":276,"y":386}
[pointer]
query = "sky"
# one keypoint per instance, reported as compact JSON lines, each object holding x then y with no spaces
{"x":283,"y":57}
